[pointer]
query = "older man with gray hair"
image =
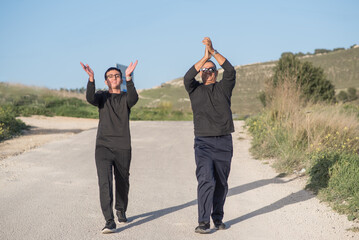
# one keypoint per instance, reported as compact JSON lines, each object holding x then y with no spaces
{"x":213,"y":125}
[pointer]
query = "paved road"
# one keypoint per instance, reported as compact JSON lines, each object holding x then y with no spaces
{"x":52,"y":193}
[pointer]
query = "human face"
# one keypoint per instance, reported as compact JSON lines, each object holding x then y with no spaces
{"x":208,"y":77}
{"x":113,"y":79}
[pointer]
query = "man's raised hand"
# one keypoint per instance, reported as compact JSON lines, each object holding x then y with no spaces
{"x":89,"y":71}
{"x":208,"y":43}
{"x":207,"y":54}
{"x":130,"y":69}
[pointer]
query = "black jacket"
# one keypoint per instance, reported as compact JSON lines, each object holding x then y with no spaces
{"x":114,"y":113}
{"x":211,"y":104}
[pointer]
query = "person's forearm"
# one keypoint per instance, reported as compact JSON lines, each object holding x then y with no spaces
{"x":229,"y":77}
{"x":189,"y":79}
{"x":200,"y":63}
{"x":220,"y":59}
{"x":132,"y":96}
{"x":90,"y":92}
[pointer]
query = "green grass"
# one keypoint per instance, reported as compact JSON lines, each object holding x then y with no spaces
{"x":334,"y":176}
{"x":18,"y":100}
{"x":160,"y":114}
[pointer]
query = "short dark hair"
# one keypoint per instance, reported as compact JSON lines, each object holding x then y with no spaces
{"x":112,"y":68}
{"x":215,"y":67}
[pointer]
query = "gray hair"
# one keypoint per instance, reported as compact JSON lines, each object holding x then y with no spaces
{"x":215,"y":67}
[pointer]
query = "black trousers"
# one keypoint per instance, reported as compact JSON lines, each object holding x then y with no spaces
{"x":109,"y":161}
{"x":213,"y":159}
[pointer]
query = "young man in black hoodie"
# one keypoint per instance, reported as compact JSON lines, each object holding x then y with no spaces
{"x":213,"y":125}
{"x":113,"y":141}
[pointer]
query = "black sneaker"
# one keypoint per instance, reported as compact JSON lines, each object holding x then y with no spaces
{"x":110,"y":227}
{"x":121,"y":216}
{"x":219,"y":225}
{"x":203,"y":228}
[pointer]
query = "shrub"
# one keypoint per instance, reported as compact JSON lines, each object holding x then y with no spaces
{"x":9,"y":125}
{"x":309,"y":79}
{"x":321,"y":50}
{"x":335,"y":177}
{"x":319,"y":172}
{"x":352,"y":94}
{"x":342,"y":96}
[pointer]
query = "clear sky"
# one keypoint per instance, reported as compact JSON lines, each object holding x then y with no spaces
{"x":43,"y":42}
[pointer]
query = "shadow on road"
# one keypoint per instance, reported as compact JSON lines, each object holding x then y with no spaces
{"x":154,"y":215}
{"x":44,"y":131}
{"x":256,"y":184}
{"x":293,"y":198}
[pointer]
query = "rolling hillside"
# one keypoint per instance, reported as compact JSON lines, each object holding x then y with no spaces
{"x":340,"y":67}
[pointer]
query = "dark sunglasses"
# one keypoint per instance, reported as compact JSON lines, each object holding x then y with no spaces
{"x":208,"y":70}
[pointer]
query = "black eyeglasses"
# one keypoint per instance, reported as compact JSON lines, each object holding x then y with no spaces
{"x":114,"y":76}
{"x":208,"y":70}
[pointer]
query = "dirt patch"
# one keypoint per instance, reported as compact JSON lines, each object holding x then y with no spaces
{"x":44,"y":130}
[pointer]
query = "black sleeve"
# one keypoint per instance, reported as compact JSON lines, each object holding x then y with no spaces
{"x":132,"y":96}
{"x":229,"y":77}
{"x":91,"y":96}
{"x":189,"y":80}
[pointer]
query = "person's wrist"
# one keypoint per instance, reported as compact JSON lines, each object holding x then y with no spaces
{"x":214,"y":52}
{"x":128,"y":77}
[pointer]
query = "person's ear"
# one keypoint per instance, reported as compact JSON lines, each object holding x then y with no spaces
{"x":106,"y":82}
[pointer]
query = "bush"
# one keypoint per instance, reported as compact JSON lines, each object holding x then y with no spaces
{"x":319,"y":172}
{"x":342,"y":96}
{"x":352,"y":94}
{"x":335,"y":177}
{"x":9,"y":125}
{"x":310,"y":80}
{"x":321,"y":50}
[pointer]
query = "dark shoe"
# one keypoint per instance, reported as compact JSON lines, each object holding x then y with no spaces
{"x":110,"y":227}
{"x":203,"y":228}
{"x":121,"y":216}
{"x":219,"y":225}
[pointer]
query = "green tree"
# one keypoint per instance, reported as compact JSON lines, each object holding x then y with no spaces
{"x":321,"y":50}
{"x":311,"y":80}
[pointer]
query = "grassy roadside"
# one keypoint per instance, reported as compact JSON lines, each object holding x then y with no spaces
{"x":321,"y":140}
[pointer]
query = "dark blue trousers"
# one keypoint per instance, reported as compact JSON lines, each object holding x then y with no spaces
{"x":213,"y":159}
{"x":109,"y":163}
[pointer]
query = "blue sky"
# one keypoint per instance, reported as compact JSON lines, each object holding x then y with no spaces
{"x":43,"y":42}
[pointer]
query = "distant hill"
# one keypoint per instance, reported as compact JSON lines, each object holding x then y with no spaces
{"x":341,"y":68}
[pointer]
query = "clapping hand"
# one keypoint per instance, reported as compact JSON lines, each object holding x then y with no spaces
{"x":130,"y":69}
{"x":89,"y":71}
{"x":208,"y":43}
